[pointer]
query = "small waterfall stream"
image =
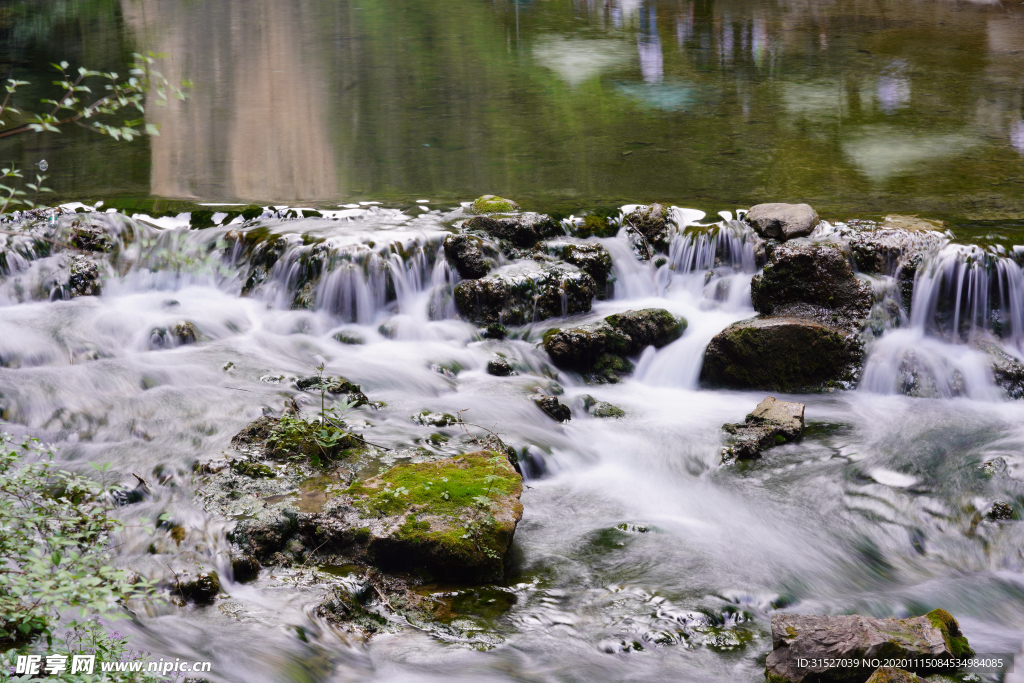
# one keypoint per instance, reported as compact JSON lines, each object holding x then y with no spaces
{"x":638,"y":556}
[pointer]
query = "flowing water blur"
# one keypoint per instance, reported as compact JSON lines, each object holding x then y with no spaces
{"x":638,"y":557}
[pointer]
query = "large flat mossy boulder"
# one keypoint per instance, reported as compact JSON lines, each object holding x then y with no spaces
{"x":773,"y":422}
{"x":450,"y":519}
{"x":824,"y":640}
{"x":526,"y":292}
{"x":814,"y":281}
{"x":600,"y":349}
{"x":782,"y":221}
{"x":782,"y":354}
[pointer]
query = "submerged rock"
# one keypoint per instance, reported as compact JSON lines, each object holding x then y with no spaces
{"x":596,"y":408}
{"x":653,"y":224}
{"x":782,"y":354}
{"x":782,"y":221}
{"x":797,"y":636}
{"x":451,"y":519}
{"x":185,"y":332}
{"x":555,"y":409}
{"x":466,"y":255}
{"x":492,"y":204}
{"x":201,"y":590}
{"x":814,"y":281}
{"x":84,"y":279}
{"x":772,"y":423}
{"x":522,"y":231}
{"x":600,"y":349}
{"x":525,"y":293}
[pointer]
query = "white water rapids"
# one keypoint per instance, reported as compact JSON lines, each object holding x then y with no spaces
{"x":878,"y":510}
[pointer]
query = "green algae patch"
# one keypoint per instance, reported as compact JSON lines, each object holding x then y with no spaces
{"x":440,"y":487}
{"x":491,"y":204}
{"x":955,"y":640}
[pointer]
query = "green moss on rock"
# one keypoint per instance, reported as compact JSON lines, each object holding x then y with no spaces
{"x":492,"y":204}
{"x":955,"y":640}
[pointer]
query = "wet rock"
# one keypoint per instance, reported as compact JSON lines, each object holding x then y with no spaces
{"x":782,"y":354}
{"x":499,"y":367}
{"x":797,"y":636}
{"x":451,"y":519}
{"x":495,"y":331}
{"x":594,"y":226}
{"x":525,"y":293}
{"x":244,"y":568}
{"x":886,"y":674}
{"x":653,"y":225}
{"x":85,"y":277}
{"x":249,"y":468}
{"x":1007,"y":371}
{"x":605,"y":409}
{"x":348,"y":338}
{"x":465,"y":254}
{"x":593,"y":259}
{"x":435,"y":419}
{"x":200,"y":219}
{"x":782,"y":221}
{"x":334,"y":385}
{"x":600,"y":349}
{"x":884,"y":251}
{"x":90,"y":237}
{"x":201,"y":590}
{"x":555,"y":409}
{"x":122,"y":497}
{"x":814,"y":281}
{"x":522,"y":231}
{"x":492,"y":204}
{"x":772,"y":423}
{"x":185,"y":332}
{"x":1000,"y":510}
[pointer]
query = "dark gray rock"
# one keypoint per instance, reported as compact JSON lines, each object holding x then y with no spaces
{"x":499,"y":367}
{"x":782,"y":354}
{"x":814,"y":281}
{"x":652,"y":224}
{"x":782,"y":221}
{"x":244,"y":568}
{"x":554,"y":408}
{"x":465,"y":254}
{"x":84,"y":279}
{"x":797,"y":636}
{"x":202,"y":590}
{"x":1000,"y":510}
{"x":1007,"y":371}
{"x":185,"y":332}
{"x":522,"y":231}
{"x":772,"y":423}
{"x":601,"y":348}
{"x":592,"y":258}
{"x":525,"y":293}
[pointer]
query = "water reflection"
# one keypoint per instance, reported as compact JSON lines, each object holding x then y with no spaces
{"x":572,"y":100}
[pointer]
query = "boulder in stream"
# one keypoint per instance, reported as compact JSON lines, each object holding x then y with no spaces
{"x":492,"y":204}
{"x":465,"y":253}
{"x":772,"y":423}
{"x":526,"y":292}
{"x":555,"y":409}
{"x":599,"y":350}
{"x":652,"y":223}
{"x":500,"y":367}
{"x":84,"y":279}
{"x":522,"y":230}
{"x":590,"y":257}
{"x":782,"y":354}
{"x":813,"y":281}
{"x":782,"y":221}
{"x":796,"y":637}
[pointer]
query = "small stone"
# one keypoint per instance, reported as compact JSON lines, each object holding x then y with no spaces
{"x":1000,"y":510}
{"x":348,"y":338}
{"x":495,"y":331}
{"x":201,"y":590}
{"x":492,"y":204}
{"x":500,"y":367}
{"x":604,"y":409}
{"x":185,"y":332}
{"x":244,"y":568}
{"x":554,"y":408}
{"x":772,"y":423}
{"x":782,"y":221}
{"x":85,"y":277}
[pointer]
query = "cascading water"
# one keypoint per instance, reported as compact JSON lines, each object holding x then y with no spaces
{"x":638,"y":558}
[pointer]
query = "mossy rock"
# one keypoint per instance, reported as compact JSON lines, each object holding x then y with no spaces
{"x":201,"y":590}
{"x":492,"y":204}
{"x":593,"y":259}
{"x":452,"y":519}
{"x":604,"y":409}
{"x":782,"y":354}
{"x":252,"y":469}
{"x":955,"y":640}
{"x":599,"y":350}
{"x":526,"y":293}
